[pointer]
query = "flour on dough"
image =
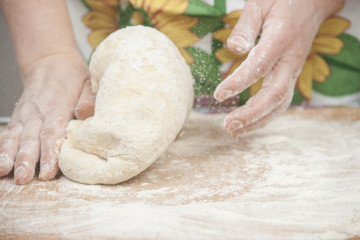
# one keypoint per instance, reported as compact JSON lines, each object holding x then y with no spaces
{"x":144,"y":92}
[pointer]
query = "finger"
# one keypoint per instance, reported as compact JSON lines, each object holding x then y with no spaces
{"x":245,"y":32}
{"x":29,"y":152}
{"x":261,"y":59}
{"x":51,"y":138}
{"x":266,"y":119}
{"x":274,"y":91}
{"x":9,"y":148}
{"x":86,"y":103}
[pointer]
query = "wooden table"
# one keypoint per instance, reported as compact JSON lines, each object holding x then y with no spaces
{"x":297,"y":178}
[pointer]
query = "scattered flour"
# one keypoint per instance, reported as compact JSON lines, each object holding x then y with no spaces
{"x":296,"y":178}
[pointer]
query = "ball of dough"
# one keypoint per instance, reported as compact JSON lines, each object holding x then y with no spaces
{"x":144,"y":92}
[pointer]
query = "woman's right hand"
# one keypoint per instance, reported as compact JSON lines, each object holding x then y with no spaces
{"x":287,"y":31}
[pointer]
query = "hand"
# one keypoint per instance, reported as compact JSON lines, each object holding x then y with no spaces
{"x":287,"y":29}
{"x":52,"y":87}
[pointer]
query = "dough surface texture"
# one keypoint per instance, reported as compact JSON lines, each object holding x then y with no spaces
{"x":144,"y":92}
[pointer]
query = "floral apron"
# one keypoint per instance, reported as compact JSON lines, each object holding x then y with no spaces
{"x":200,"y":29}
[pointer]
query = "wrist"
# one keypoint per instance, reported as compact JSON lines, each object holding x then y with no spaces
{"x":44,"y":68}
{"x":28,"y":62}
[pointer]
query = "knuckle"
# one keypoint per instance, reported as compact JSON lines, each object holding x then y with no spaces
{"x":22,"y":158}
{"x":47,"y":132}
{"x":28,"y":140}
{"x":10,"y":140}
{"x":54,"y":122}
{"x":14,"y":128}
{"x":278,"y":95}
{"x":53,"y":130}
{"x":28,"y":111}
{"x":28,"y":152}
{"x":261,"y":70}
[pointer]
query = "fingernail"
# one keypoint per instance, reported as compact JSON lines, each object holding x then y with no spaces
{"x":224,"y":94}
{"x":20,"y":175}
{"x":235,"y":125}
{"x":242,"y":45}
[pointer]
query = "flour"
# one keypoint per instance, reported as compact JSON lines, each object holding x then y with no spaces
{"x":296,"y":178}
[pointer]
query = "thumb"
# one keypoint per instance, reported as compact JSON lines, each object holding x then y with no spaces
{"x":86,"y":104}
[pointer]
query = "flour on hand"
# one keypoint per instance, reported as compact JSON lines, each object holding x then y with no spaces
{"x":144,"y":92}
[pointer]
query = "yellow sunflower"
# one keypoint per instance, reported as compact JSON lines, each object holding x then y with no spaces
{"x":224,"y":54}
{"x":165,"y":15}
{"x":326,"y":42}
{"x":315,"y":67}
{"x":102,"y":19}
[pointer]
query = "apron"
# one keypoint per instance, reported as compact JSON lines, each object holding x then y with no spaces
{"x":199,"y":28}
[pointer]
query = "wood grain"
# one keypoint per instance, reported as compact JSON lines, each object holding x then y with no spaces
{"x":298,"y":178}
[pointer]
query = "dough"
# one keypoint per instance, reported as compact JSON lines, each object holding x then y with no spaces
{"x":144,"y":92}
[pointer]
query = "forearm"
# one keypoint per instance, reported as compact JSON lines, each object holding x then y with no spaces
{"x":39,"y":29}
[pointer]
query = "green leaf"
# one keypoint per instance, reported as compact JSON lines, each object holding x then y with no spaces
{"x":342,"y":81}
{"x":244,"y":96}
{"x":147,"y":20}
{"x":345,"y":70}
{"x":200,"y":8}
{"x":125,"y":16}
{"x":91,"y":54}
{"x":86,"y":5}
{"x":207,"y":25}
{"x":221,"y":5}
{"x":205,"y":70}
{"x":297,"y":98}
{"x":350,"y":54}
{"x":215,"y":45}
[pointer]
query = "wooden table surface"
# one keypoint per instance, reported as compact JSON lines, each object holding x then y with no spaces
{"x":297,"y":178}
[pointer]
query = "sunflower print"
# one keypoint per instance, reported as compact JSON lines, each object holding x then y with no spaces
{"x":326,"y":42}
{"x":102,"y":19}
{"x":105,"y":17}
